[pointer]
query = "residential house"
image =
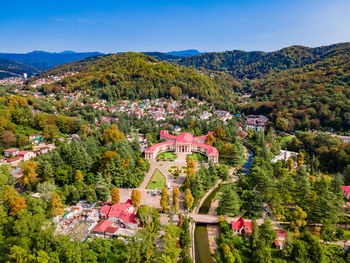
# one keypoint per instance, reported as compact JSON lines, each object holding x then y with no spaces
{"x":159,"y":118}
{"x":26,"y":155}
{"x":222,"y":113}
{"x":280,"y":240}
{"x":11,"y":152}
{"x":35,"y":138}
{"x":241,"y":226}
{"x":123,"y":213}
{"x":14,"y":162}
{"x":346,"y":189}
{"x":256,"y":122}
{"x":205,"y":115}
{"x":105,"y":227}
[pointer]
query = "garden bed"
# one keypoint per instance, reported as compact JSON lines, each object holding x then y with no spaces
{"x":166,"y":156}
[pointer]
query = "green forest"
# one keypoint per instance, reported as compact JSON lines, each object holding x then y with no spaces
{"x":137,"y":76}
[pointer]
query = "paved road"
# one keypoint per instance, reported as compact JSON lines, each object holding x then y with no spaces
{"x":148,"y":175}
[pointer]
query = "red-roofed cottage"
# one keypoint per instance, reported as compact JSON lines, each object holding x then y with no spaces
{"x":346,"y":189}
{"x":105,"y":227}
{"x":280,"y":240}
{"x":241,"y":226}
{"x":121,"y":213}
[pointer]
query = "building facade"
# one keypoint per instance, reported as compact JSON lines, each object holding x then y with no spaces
{"x":184,"y":143}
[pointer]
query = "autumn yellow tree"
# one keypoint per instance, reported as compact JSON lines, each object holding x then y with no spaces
{"x":191,"y":172}
{"x":220,"y":133}
{"x":191,"y":124}
{"x":210,"y":139}
{"x":135,"y":197}
{"x":112,"y":134}
{"x":29,"y":171}
{"x":290,"y":163}
{"x":300,"y":159}
{"x":51,"y":132}
{"x":176,"y":194}
{"x":297,"y":220}
{"x":164,"y":200}
{"x":79,"y":176}
{"x":188,"y":199}
{"x":17,"y":204}
{"x":175,"y":92}
{"x":106,"y":158}
{"x":85,"y":130}
{"x":56,"y":206}
{"x":115,"y":195}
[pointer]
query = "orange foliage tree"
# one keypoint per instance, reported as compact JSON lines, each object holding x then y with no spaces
{"x":115,"y":195}
{"x":56,"y":206}
{"x":136,"y":197}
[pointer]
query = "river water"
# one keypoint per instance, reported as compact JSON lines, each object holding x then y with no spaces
{"x":201,"y":241}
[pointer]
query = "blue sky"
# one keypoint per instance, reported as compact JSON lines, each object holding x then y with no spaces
{"x":166,"y":25}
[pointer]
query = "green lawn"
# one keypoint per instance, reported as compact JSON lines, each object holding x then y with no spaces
{"x":286,"y":139}
{"x":166,"y":156}
{"x":197,"y":157}
{"x":157,"y":181}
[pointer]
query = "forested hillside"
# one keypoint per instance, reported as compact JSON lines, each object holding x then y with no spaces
{"x":256,"y":64}
{"x":9,"y":68}
{"x":137,"y":76}
{"x":312,"y":96}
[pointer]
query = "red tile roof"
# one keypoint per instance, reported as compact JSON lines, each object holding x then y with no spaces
{"x":111,"y":230}
{"x":155,"y":146}
{"x":102,"y":226}
{"x":240,"y":223}
{"x":185,"y":137}
{"x":121,"y":211}
{"x":281,"y":233}
{"x":105,"y":209}
{"x":211,"y":149}
{"x":11,"y":150}
{"x":14,"y":159}
{"x":165,"y":134}
{"x":23,"y":152}
{"x":346,"y":189}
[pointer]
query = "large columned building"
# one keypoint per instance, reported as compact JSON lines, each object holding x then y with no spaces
{"x":184,"y":143}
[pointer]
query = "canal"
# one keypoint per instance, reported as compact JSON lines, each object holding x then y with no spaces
{"x":201,"y":241}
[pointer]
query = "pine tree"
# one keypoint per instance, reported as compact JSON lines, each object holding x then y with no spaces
{"x":229,"y":203}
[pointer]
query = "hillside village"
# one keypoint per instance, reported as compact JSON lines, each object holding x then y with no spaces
{"x":112,"y":170}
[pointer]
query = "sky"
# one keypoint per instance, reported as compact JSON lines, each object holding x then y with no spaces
{"x":111,"y":26}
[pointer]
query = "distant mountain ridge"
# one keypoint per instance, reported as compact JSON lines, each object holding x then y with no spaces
{"x":185,"y":53}
{"x":256,"y":64}
{"x":43,"y":60}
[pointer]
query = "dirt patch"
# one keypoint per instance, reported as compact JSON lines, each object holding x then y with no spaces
{"x":213,"y":232}
{"x":213,"y":207}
